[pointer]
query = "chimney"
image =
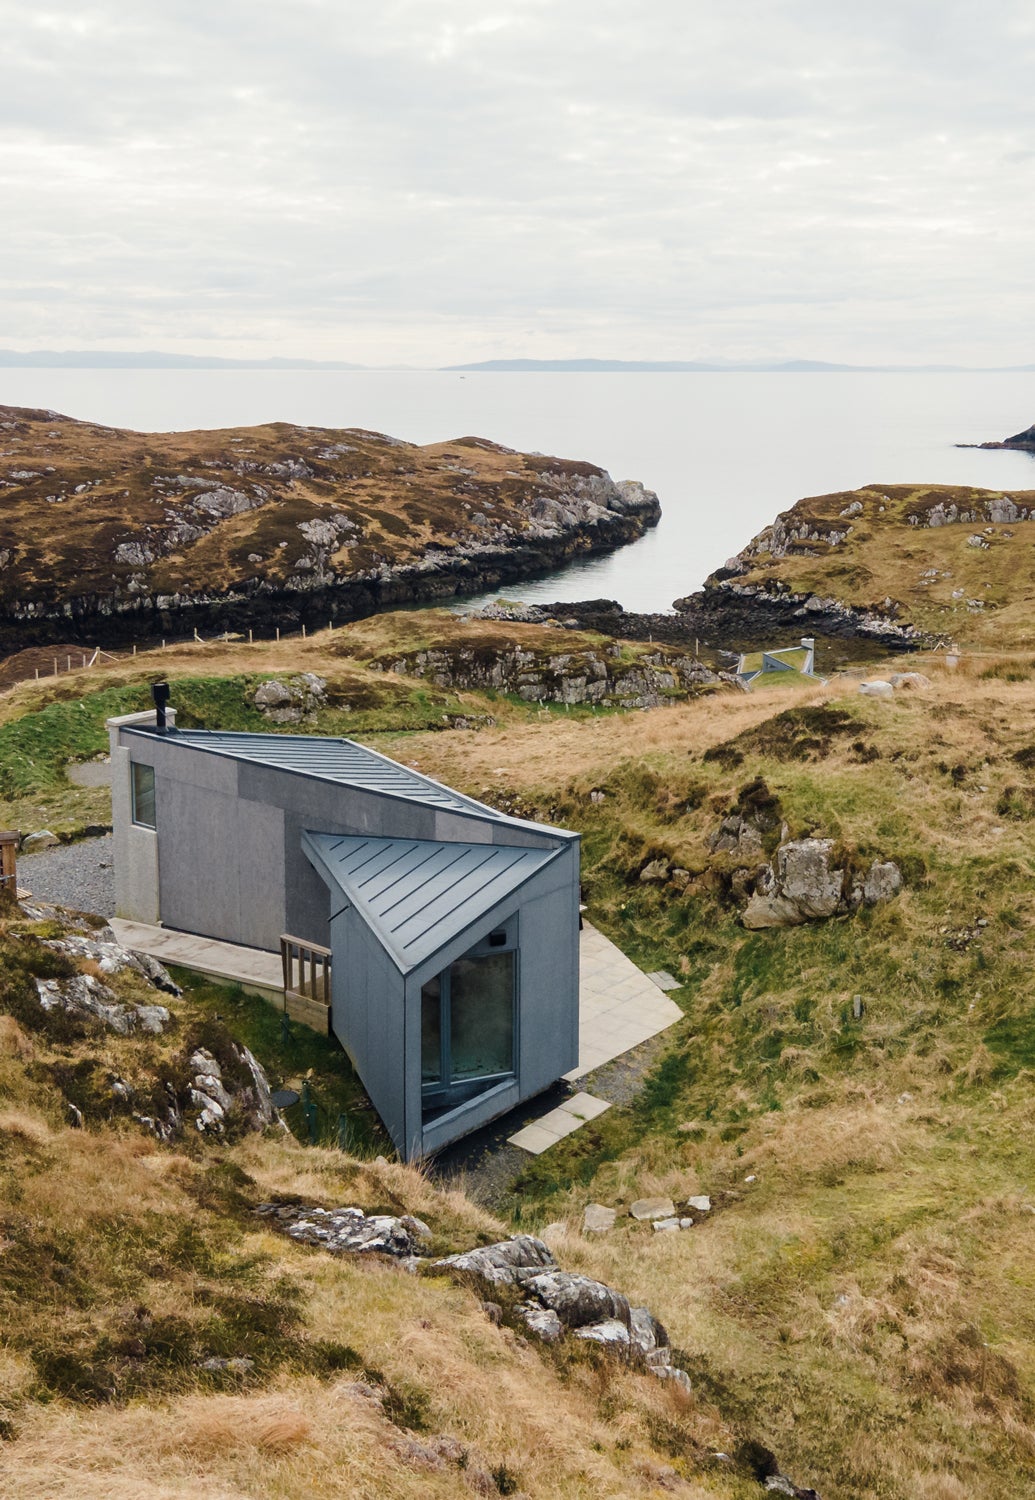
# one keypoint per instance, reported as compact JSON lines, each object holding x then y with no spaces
{"x":160,"y":694}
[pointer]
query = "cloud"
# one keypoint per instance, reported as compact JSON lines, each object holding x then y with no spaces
{"x":432,"y":180}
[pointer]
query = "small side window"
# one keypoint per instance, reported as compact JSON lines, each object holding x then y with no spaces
{"x":144,"y":795}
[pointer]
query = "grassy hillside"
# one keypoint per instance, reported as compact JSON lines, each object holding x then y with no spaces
{"x":860,"y":1298}
{"x":866,"y":1277}
{"x":877,"y":549}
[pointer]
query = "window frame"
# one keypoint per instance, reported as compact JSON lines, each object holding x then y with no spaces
{"x":138,"y":767}
{"x":445,"y":1093}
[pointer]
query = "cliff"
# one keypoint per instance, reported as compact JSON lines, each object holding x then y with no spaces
{"x":899,"y":565}
{"x":109,"y":535}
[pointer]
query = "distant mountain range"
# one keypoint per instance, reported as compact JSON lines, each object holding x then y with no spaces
{"x":106,"y":359}
{"x":787,"y":366}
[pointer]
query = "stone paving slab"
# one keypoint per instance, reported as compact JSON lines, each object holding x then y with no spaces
{"x":554,"y":1126}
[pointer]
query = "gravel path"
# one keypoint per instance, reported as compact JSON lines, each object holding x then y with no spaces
{"x":79,"y":875}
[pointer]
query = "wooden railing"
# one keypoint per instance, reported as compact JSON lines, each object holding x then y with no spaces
{"x":307,"y":982}
{"x":8,"y":870}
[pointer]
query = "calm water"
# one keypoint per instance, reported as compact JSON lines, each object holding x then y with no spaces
{"x":724,"y":452}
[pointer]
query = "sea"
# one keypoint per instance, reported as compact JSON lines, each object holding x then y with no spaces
{"x":724,"y":452}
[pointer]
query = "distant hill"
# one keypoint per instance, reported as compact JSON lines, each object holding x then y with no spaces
{"x":679,"y":366}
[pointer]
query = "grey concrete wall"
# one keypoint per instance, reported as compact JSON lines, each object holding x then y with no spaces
{"x":135,"y":849}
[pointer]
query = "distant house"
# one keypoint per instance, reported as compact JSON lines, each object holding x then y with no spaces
{"x":452,"y":928}
{"x":755,"y":664}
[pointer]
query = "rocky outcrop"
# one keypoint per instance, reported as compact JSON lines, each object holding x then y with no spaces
{"x":1024,"y":441}
{"x":86,"y":997}
{"x":601,"y":676}
{"x":807,"y":882}
{"x":293,"y":701}
{"x":557,"y":1303}
{"x":748,"y":612}
{"x":349,"y":1231}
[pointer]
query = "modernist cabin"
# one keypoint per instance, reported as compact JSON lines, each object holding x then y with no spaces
{"x":453,"y":929}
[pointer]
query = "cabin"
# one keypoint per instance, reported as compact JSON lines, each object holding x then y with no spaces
{"x":446,"y":933}
{"x":800,"y":659}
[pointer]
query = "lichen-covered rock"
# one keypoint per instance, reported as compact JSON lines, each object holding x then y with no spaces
{"x":508,"y":1263}
{"x":578,"y":1300}
{"x":349,"y":1231}
{"x":806,"y":884}
{"x":85,"y":995}
{"x":292,"y":701}
{"x":111,"y":958}
{"x":542,"y":1321}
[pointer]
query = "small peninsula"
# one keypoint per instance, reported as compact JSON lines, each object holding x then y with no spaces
{"x":109,"y":535}
{"x":1022,"y":442}
{"x":900,"y":565}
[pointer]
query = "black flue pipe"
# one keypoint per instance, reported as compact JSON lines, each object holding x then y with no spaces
{"x":160,"y":694}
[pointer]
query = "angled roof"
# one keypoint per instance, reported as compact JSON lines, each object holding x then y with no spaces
{"x":418,"y":894}
{"x":338,"y":760}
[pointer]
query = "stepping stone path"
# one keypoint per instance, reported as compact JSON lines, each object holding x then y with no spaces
{"x":597,"y":1219}
{"x":653,"y":1208}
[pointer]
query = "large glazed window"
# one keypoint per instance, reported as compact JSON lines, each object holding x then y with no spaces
{"x":467,"y":1028}
{"x":144,"y":795}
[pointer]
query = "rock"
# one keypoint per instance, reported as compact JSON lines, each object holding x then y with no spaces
{"x":655,"y":870}
{"x":877,"y":689}
{"x":349,"y":1231}
{"x":686,"y":1223}
{"x":645,"y":1332}
{"x":493,"y":1311}
{"x":84,"y":995}
{"x":597,"y":1219}
{"x":111,"y":958}
{"x":664,"y":1225}
{"x":508,"y":1263}
{"x":701,"y":1202}
{"x":542,"y":1321}
{"x":290,"y":702}
{"x":32,"y":843}
{"x":239,"y":1365}
{"x":677,"y":1376}
{"x":578,"y":1300}
{"x":652,"y":1208}
{"x":909,"y":680}
{"x":883,"y":881}
{"x":803,"y":887}
{"x":611,"y":1332}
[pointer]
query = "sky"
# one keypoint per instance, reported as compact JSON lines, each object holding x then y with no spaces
{"x":430,"y":181}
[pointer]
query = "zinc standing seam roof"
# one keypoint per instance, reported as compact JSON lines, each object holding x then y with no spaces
{"x":418,"y":894}
{"x":337,"y":760}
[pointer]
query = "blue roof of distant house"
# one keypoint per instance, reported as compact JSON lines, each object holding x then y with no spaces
{"x":418,"y":894}
{"x":338,"y":760}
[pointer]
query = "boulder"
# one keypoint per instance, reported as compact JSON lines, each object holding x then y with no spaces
{"x":508,"y":1263}
{"x":883,"y":881}
{"x":804,"y":886}
{"x":542,"y":1321}
{"x":877,"y":689}
{"x":655,"y":870}
{"x":662,"y":1226}
{"x":578,"y":1300}
{"x":610,"y":1332}
{"x":32,"y":843}
{"x":646,"y":1334}
{"x":652,"y":1208}
{"x":598,"y":1219}
{"x":349,"y":1231}
{"x":701,"y":1202}
{"x":909,"y":680}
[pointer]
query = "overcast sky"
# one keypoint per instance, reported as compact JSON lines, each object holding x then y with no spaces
{"x":429,"y":181}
